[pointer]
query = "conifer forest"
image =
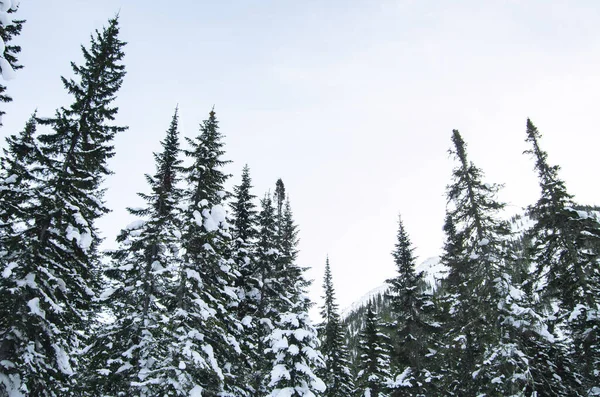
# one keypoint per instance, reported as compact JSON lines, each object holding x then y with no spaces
{"x":204,"y":295}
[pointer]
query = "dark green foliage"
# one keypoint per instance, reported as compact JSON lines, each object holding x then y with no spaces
{"x":292,"y":344}
{"x":478,"y":351}
{"x":243,"y":253}
{"x":132,"y":354}
{"x":204,"y":323}
{"x":7,"y":34}
{"x":336,"y":374}
{"x":374,"y":361}
{"x":264,"y":293}
{"x":411,"y":308}
{"x":17,"y":176}
{"x":50,"y":302}
{"x":565,"y":249}
{"x":279,"y":202}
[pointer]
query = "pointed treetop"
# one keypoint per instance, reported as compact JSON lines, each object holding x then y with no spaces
{"x":460,"y":148}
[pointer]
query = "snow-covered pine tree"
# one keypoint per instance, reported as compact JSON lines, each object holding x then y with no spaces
{"x":374,"y":378}
{"x":293,"y":342}
{"x":9,"y":29}
{"x":480,"y":356}
{"x":264,"y":293}
{"x":243,"y":252}
{"x":51,"y":263}
{"x":130,"y":356}
{"x":411,"y":306}
{"x":336,"y":374}
{"x":565,"y":252}
{"x":17,"y":176}
{"x":204,"y":321}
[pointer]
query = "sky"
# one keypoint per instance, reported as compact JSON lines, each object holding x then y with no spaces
{"x":352,"y":103}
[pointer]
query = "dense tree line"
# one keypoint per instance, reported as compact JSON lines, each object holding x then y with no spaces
{"x":517,"y":312}
{"x":194,"y":301}
{"x":204,"y":296}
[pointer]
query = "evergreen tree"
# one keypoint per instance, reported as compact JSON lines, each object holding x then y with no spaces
{"x":374,"y":361}
{"x":204,"y":321}
{"x":280,"y":204}
{"x":9,"y":29}
{"x":131,"y":355}
{"x":244,"y":241}
{"x":565,"y":252}
{"x":410,"y":304}
{"x":17,"y":176}
{"x":480,"y":355}
{"x":264,"y":292}
{"x":48,"y":293}
{"x":293,"y":342}
{"x":336,"y":374}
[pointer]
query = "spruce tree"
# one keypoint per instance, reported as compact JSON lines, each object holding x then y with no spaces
{"x":373,"y":376}
{"x":17,"y":176}
{"x":336,"y":373}
{"x":410,"y":306}
{"x":243,"y":252}
{"x":264,"y":293}
{"x":9,"y":29}
{"x":479,"y":354}
{"x":293,"y":342}
{"x":131,"y":355}
{"x":48,"y":295}
{"x":565,"y":252}
{"x":204,"y":320}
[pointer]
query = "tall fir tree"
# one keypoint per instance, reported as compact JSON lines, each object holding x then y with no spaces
{"x":292,"y":344}
{"x":565,"y":252}
{"x":264,"y":293}
{"x":204,"y":321}
{"x":336,"y":374}
{"x":374,"y":376}
{"x":243,"y":252}
{"x":9,"y":29}
{"x":17,"y":176}
{"x":280,"y":197}
{"x":480,"y":355}
{"x":48,"y":293}
{"x":411,"y":305}
{"x":131,"y":355}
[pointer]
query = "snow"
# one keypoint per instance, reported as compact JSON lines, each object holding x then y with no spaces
{"x":402,"y":380}
{"x":279,"y":372}
{"x":62,"y":360}
{"x":12,"y":384}
{"x":576,"y":312}
{"x":135,"y":225}
{"x":247,"y":321}
{"x":34,"y":307}
{"x":196,"y":391}
{"x":10,"y":179}
{"x":85,"y":241}
{"x":7,"y":71}
{"x":433,"y":272}
{"x":214,"y":218}
{"x":5,"y":19}
{"x":8,"y":269}
{"x":107,"y":293}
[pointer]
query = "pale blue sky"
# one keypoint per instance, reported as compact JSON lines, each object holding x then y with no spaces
{"x":352,"y":103}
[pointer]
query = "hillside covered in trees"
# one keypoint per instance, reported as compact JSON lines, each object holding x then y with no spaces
{"x":204,"y":295}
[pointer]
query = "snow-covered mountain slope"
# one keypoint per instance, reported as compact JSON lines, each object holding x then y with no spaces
{"x":431,"y":267}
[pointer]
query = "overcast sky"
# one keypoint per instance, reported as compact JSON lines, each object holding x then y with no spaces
{"x":351,"y":103}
